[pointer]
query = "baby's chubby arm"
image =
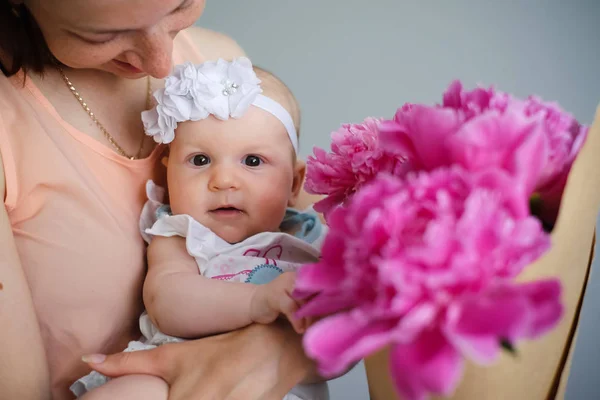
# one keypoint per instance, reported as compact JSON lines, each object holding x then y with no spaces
{"x":183,"y":303}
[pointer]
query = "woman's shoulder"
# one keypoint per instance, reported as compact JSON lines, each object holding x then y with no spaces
{"x":214,"y":44}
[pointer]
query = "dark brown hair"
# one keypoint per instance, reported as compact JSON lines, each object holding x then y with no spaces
{"x":21,"y":40}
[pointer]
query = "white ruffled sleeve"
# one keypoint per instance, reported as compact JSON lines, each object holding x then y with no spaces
{"x":200,"y":241}
{"x":149,"y":215}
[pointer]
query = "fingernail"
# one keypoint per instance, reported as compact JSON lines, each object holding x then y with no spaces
{"x":94,"y":358}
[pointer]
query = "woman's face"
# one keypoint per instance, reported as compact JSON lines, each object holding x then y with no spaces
{"x":129,"y":38}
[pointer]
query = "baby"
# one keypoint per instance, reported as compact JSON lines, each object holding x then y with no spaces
{"x":223,"y":253}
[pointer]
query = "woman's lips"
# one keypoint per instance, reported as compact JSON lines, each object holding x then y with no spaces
{"x":127,"y":67}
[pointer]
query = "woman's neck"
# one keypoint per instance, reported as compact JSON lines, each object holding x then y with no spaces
{"x":116,"y":102}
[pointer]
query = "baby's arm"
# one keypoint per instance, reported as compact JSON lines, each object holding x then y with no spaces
{"x":183,"y":303}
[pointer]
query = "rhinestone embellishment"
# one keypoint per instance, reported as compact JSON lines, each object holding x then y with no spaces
{"x":230,"y":87}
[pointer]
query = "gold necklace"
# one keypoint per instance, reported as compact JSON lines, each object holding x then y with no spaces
{"x":107,"y":135}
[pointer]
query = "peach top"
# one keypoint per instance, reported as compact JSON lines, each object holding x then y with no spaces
{"x":74,"y":206}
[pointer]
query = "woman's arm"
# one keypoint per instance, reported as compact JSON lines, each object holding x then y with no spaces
{"x":258,"y":362}
{"x":23,"y":367}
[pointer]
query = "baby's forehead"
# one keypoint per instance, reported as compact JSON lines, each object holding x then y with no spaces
{"x":274,"y":88}
{"x":256,"y":129}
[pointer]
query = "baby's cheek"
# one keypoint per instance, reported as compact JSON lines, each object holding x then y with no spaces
{"x":272,"y":205}
{"x":180,"y":203}
{"x":188,"y":202}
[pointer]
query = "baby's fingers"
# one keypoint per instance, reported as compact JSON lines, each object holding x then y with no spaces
{"x":299,"y":324}
{"x":289,"y":307}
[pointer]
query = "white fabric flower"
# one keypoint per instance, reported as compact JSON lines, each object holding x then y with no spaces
{"x":231,"y":87}
{"x":182,"y":79}
{"x":161,"y":127}
{"x":191,"y":93}
{"x":241,"y":72}
{"x":178,"y":107}
{"x":161,"y":121}
{"x":183,"y":82}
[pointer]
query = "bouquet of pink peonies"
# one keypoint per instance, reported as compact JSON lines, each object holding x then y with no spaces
{"x":432,"y":216}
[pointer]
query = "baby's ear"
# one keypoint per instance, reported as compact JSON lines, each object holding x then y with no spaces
{"x":299,"y":173}
{"x":165,"y":157}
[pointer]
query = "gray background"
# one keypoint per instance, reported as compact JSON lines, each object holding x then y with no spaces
{"x":346,"y":60}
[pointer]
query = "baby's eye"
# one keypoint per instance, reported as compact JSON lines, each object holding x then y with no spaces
{"x":200,"y":160}
{"x":252,"y":161}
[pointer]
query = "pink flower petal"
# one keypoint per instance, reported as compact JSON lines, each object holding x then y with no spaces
{"x":545,"y":306}
{"x":427,"y":365}
{"x":508,"y":141}
{"x":479,"y":322}
{"x":328,"y":204}
{"x":452,"y":97}
{"x":341,"y":340}
{"x":356,"y":158}
{"x":325,"y":304}
{"x":420,"y":134}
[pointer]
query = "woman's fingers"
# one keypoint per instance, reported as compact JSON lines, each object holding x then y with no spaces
{"x":146,"y":362}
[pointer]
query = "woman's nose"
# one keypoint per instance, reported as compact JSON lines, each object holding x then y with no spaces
{"x":156,"y":51}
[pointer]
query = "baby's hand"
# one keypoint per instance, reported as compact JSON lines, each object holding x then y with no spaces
{"x":275,"y":298}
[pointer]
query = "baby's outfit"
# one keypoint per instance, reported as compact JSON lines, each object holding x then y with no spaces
{"x":257,"y":260}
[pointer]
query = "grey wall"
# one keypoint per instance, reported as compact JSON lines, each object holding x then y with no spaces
{"x":346,"y":60}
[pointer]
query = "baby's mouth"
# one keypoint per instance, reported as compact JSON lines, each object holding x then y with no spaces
{"x":226,"y":211}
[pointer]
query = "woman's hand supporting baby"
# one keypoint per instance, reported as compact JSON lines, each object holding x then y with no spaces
{"x":258,"y":362}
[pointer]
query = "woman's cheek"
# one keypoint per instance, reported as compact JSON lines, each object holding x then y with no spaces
{"x":74,"y":53}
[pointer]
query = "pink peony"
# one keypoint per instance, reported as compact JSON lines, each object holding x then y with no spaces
{"x":510,"y":144}
{"x":356,"y":158}
{"x":535,"y":142}
{"x":420,"y":134}
{"x":416,"y":263}
{"x":472,"y":103}
{"x":565,"y":137}
{"x":475,"y":327}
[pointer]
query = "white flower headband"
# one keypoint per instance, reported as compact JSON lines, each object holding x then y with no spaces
{"x":220,"y":88}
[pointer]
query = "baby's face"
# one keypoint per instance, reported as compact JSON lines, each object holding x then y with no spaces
{"x":236,"y":177}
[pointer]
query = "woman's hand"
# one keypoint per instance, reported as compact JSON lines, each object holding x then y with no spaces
{"x":258,"y":362}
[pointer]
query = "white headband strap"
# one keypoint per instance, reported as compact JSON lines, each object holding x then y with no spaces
{"x":271,"y":106}
{"x":220,"y":88}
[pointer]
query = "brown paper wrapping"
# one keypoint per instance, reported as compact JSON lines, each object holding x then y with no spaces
{"x":541,"y":367}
